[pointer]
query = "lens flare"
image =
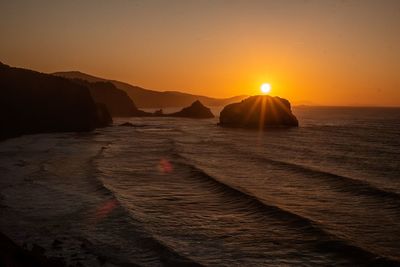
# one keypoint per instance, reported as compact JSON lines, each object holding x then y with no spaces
{"x":105,"y":208}
{"x":165,"y":166}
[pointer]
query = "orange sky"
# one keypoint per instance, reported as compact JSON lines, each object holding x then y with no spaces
{"x":319,"y":52}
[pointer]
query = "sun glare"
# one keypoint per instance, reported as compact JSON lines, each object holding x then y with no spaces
{"x":265,"y":88}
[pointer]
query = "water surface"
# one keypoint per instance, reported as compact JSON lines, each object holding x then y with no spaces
{"x":173,"y":190}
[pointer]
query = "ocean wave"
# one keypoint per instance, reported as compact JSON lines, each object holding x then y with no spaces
{"x":321,"y":239}
{"x":348,"y":184}
{"x":162,"y":254}
{"x":344,"y":183}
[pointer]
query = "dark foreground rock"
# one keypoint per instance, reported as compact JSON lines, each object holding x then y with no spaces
{"x":33,"y":102}
{"x":197,"y":111}
{"x":12,"y":255}
{"x":259,"y":112}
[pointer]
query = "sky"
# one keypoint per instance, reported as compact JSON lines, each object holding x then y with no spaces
{"x":317,"y":52}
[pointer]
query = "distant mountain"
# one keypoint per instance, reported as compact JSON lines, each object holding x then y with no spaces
{"x":34,"y":102}
{"x":145,"y":98}
{"x":304,"y":103}
{"x":118,"y":103}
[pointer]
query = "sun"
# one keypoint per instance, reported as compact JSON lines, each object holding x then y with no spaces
{"x":265,"y":88}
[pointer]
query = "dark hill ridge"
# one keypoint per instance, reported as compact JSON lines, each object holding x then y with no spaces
{"x":259,"y":112}
{"x":33,"y":102}
{"x":145,"y":98}
{"x":118,"y":103}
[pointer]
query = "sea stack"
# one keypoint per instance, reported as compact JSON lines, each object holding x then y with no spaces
{"x":196,"y":111}
{"x":258,"y":112}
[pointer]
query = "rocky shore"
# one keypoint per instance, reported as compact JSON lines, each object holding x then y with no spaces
{"x":12,"y":255}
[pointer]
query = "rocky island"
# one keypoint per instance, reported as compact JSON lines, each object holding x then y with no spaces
{"x":259,"y":112}
{"x":196,"y":111}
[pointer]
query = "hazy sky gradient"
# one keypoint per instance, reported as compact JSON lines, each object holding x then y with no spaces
{"x":326,"y":52}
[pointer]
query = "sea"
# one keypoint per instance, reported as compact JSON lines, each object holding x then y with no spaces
{"x":187,"y":192}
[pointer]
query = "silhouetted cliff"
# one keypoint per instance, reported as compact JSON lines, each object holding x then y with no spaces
{"x":118,"y":103}
{"x":33,"y":102}
{"x":259,"y":112}
{"x":197,"y":111}
{"x":103,"y":115}
{"x":145,"y":98}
